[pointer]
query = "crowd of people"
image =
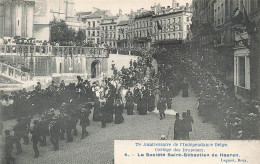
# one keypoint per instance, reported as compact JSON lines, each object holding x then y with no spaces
{"x":61,"y":107}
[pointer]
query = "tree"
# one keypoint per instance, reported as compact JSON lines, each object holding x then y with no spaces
{"x":60,"y":32}
{"x":81,"y":36}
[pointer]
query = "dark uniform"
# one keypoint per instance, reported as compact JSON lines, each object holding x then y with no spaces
{"x":118,"y":112}
{"x":55,"y":132}
{"x":177,"y":127}
{"x":9,"y":146}
{"x":36,"y":137}
{"x":84,"y":120}
{"x":18,"y":134}
{"x":161,"y":106}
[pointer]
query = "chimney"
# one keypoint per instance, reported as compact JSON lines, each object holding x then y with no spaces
{"x":173,"y":4}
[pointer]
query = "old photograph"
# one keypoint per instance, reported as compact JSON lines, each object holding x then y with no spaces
{"x":76,"y":75}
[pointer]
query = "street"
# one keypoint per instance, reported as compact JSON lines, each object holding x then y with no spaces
{"x":98,"y":148}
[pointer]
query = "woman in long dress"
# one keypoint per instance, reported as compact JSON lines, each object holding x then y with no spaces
{"x":118,"y":112}
{"x":97,"y":112}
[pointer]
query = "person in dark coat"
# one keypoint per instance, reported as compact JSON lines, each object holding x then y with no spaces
{"x":129,"y":104}
{"x":97,"y":112}
{"x":161,"y":106}
{"x":151,"y":101}
{"x":103,"y":114}
{"x":142,"y":107}
{"x":69,"y":127}
{"x":9,"y":146}
{"x":110,"y":110}
{"x":36,"y":137}
{"x":18,"y":134}
{"x":177,"y":127}
{"x":169,"y":96}
{"x":55,"y":132}
{"x":84,"y":119}
{"x":190,"y":121}
{"x":38,"y":87}
{"x":118,"y":112}
{"x":185,"y":126}
{"x":185,"y":89}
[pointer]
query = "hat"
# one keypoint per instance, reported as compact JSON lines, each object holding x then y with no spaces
{"x":177,"y":115}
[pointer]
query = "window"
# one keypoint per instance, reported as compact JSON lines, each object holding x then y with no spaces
{"x":98,"y":21}
{"x":169,"y":21}
{"x":164,"y":36}
{"x":89,"y":24}
{"x":94,"y":24}
{"x":188,"y":19}
{"x":88,"y":33}
{"x":179,"y":19}
{"x":222,"y":20}
{"x":106,"y":28}
{"x":173,"y":35}
{"x":114,"y":35}
{"x":241,"y":71}
{"x":173,"y":20}
{"x":110,"y":27}
{"x":97,"y":33}
{"x":103,"y":28}
{"x":169,"y":36}
{"x":114,"y":27}
{"x":97,"y":40}
{"x":188,"y":27}
{"x":93,"y":33}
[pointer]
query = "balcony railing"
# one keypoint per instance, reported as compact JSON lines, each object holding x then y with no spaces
{"x":14,"y":73}
{"x":52,"y":50}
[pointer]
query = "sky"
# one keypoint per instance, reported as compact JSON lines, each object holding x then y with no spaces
{"x":124,"y":5}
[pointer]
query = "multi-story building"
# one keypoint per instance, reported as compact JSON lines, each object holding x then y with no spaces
{"x":130,"y":29}
{"x":246,"y":48}
{"x":122,"y":34}
{"x":93,"y":29}
{"x":143,"y":27}
{"x":108,"y":31}
{"x":171,"y":25}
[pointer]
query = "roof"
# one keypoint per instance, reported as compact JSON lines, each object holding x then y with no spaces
{"x":121,"y":23}
{"x":144,"y":15}
{"x":98,"y":14}
{"x":84,"y":13}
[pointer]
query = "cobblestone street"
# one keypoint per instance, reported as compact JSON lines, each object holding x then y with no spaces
{"x":98,"y":148}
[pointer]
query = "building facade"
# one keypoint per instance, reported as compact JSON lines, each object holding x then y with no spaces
{"x":93,"y":27}
{"x":108,"y":31}
{"x":122,"y":34}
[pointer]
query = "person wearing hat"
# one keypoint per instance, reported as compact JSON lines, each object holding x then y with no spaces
{"x":38,"y":87}
{"x":9,"y":146}
{"x":84,"y":119}
{"x":161,"y":107}
{"x":177,"y":127}
{"x":190,"y":121}
{"x":36,"y":137}
{"x":55,"y":132}
{"x":118,"y":112}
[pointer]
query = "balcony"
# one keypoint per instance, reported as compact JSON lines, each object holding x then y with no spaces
{"x":241,"y":36}
{"x":33,"y":50}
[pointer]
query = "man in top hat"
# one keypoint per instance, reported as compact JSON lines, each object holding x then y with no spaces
{"x":177,"y":127}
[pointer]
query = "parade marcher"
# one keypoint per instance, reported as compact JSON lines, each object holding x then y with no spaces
{"x":157,"y":96}
{"x":38,"y":87}
{"x":36,"y":137}
{"x":44,"y":129}
{"x":177,"y":127}
{"x":151,"y":101}
{"x":169,"y":98}
{"x":104,"y":114}
{"x":129,"y":103}
{"x":118,"y":112}
{"x":69,"y":127}
{"x":109,"y":107}
{"x":9,"y":146}
{"x":161,"y":106}
{"x":190,"y":121}
{"x":84,"y":119}
{"x":142,"y":107}
{"x":184,"y":126}
{"x":62,"y":85}
{"x":55,"y":132}
{"x":97,"y":112}
{"x":185,"y":89}
{"x":18,"y":134}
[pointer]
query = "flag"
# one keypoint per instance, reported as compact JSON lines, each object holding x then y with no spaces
{"x":159,"y":26}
